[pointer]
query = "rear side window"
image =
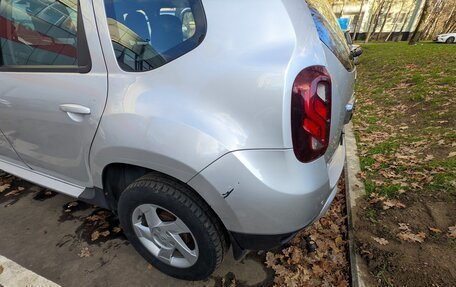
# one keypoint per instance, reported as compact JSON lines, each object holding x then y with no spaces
{"x":147,"y":34}
{"x":38,"y":33}
{"x":330,"y":32}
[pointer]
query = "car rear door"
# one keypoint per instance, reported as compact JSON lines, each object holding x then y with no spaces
{"x":7,"y":152}
{"x":53,"y":84}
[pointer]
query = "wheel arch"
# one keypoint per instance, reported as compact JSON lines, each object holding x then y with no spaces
{"x":117,"y":176}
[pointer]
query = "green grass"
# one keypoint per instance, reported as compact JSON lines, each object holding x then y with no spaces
{"x":406,"y":118}
{"x":386,"y":147}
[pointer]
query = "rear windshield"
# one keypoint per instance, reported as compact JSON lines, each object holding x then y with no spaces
{"x":147,"y":34}
{"x":330,"y":32}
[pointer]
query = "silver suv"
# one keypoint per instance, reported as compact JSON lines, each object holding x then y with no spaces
{"x":203,"y":124}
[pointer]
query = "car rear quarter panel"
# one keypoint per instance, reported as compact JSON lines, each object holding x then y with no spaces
{"x":231,"y":93}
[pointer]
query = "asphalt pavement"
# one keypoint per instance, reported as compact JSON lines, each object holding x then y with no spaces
{"x":51,"y":235}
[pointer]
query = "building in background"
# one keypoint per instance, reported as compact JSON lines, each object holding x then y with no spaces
{"x":380,"y":19}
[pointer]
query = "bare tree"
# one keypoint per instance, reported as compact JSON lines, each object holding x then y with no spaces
{"x":451,"y":19}
{"x":421,"y":22}
{"x":442,"y":19}
{"x":341,"y":14}
{"x":396,"y":20}
{"x":433,"y":18}
{"x":385,"y":19}
{"x":407,"y":18}
{"x":359,"y":20}
{"x":373,"y":23}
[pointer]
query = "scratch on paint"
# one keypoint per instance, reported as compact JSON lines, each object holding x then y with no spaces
{"x":225,"y":195}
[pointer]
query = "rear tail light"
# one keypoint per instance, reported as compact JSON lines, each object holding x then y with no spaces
{"x":311,"y":113}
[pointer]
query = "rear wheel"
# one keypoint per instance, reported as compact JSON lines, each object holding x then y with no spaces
{"x":171,"y":227}
{"x":450,"y":40}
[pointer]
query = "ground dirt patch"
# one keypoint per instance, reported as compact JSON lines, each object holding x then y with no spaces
{"x":402,"y":263}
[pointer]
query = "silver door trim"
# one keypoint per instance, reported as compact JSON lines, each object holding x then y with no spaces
{"x":41,"y":179}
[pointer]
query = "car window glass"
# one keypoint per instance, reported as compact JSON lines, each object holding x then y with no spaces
{"x":147,"y":34}
{"x":188,"y":24}
{"x":38,"y":32}
{"x":330,"y":32}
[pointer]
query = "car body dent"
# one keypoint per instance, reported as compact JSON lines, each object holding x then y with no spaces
{"x":267,"y":187}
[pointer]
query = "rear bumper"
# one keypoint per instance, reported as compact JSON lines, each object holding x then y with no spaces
{"x":269,"y":192}
{"x":260,"y":242}
{"x":244,"y":241}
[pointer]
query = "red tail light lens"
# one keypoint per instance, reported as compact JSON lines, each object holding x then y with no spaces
{"x":311,"y":113}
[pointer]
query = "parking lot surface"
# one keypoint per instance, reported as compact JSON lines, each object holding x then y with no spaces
{"x":75,"y":244}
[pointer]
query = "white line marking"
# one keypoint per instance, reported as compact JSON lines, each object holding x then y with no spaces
{"x":14,"y":275}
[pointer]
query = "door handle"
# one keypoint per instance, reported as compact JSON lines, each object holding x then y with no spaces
{"x":75,"y":109}
{"x":75,"y":112}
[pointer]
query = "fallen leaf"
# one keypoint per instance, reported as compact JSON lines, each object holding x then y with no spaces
{"x":104,"y":225}
{"x":435,"y":230}
{"x":403,"y":227}
{"x":72,"y":204}
{"x":95,"y":217}
{"x":381,"y":241}
{"x":12,"y":193}
{"x":376,"y":198}
{"x":393,"y":203}
{"x":317,"y":255}
{"x":150,"y":267}
{"x":416,"y":185}
{"x":452,"y":232}
{"x":4,"y":187}
{"x":429,"y":157}
{"x":452,"y":154}
{"x":117,"y":229}
{"x":105,"y":233}
{"x":95,"y":235}
{"x":411,"y":237}
{"x":85,"y":252}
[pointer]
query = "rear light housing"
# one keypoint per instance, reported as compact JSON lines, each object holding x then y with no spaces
{"x":311,"y":113}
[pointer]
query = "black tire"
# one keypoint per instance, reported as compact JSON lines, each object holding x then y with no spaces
{"x":450,"y":40}
{"x":179,"y":199}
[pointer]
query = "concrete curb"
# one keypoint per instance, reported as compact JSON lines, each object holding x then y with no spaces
{"x":14,"y":275}
{"x":354,"y":189}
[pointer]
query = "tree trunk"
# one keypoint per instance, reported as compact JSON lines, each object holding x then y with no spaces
{"x":377,"y":20}
{"x":452,"y":28}
{"x":373,"y":20}
{"x":405,"y":21}
{"x":395,"y":21}
{"x":449,"y":20}
{"x":359,"y":20}
{"x":342,"y":10}
{"x":416,"y":34}
{"x":434,"y":15}
{"x":385,"y":20}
